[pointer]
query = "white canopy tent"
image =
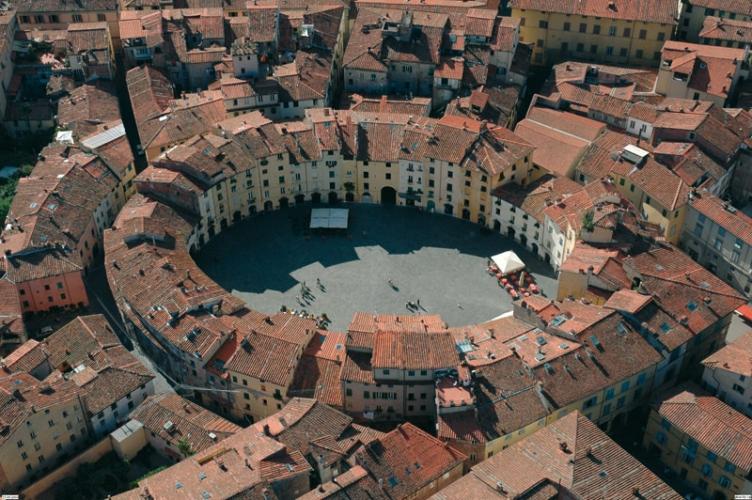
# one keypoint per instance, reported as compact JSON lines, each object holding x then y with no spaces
{"x":329,"y":218}
{"x":508,"y":262}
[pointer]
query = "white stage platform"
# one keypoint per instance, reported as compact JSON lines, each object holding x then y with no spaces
{"x":329,"y":218}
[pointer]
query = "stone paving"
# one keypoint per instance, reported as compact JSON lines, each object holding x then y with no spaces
{"x":436,"y":259}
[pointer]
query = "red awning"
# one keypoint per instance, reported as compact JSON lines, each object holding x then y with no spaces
{"x":745,"y":312}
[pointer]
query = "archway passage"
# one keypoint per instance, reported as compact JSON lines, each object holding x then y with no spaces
{"x":388,"y":196}
{"x":316,"y":197}
{"x":332,"y":198}
{"x":299,"y":199}
{"x":268,"y":206}
{"x":284,"y":203}
{"x":349,"y":196}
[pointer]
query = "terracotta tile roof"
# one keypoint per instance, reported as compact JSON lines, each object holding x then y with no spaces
{"x":715,"y":28}
{"x":450,"y":68}
{"x":372,"y":323}
{"x":688,"y":298}
{"x":305,"y":78}
{"x":107,"y":386}
{"x":630,"y":301}
{"x":598,"y":160}
{"x":407,"y":459}
{"x":23,"y":6}
{"x":480,"y":22}
{"x":354,"y":484}
{"x":710,"y":69}
{"x":559,"y":138}
{"x":56,"y":203}
{"x":738,"y":6}
{"x":536,"y":196}
{"x":26,"y":357}
{"x":87,"y":107}
{"x":622,"y":354}
{"x":417,"y":106}
{"x":357,"y":368}
{"x":712,"y":423}
{"x":570,"y":457}
{"x":191,"y":422}
{"x":737,"y":223}
{"x":658,"y":11}
{"x":43,"y":263}
{"x":21,"y":396}
{"x":144,"y":24}
{"x":303,"y":422}
{"x":414,"y":350}
{"x":661,"y":184}
{"x":246,"y":464}
{"x":263,"y":23}
{"x":736,"y":356}
{"x":319,"y":370}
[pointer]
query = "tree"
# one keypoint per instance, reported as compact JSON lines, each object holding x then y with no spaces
{"x":588,"y":222}
{"x":185,"y":447}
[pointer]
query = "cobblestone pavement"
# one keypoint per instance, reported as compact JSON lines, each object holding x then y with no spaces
{"x":438,"y":260}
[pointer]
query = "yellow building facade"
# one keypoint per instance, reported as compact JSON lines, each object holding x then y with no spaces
{"x":557,"y":36}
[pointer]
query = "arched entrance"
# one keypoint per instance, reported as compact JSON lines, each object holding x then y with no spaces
{"x":236,"y":216}
{"x":316,"y":197}
{"x":482,"y":220}
{"x":448,"y":208}
{"x":497,"y":225}
{"x":268,"y":206}
{"x":349,"y":196}
{"x":388,"y":196}
{"x":535,"y":249}
{"x":366,"y":198}
{"x":431,"y":206}
{"x":223,"y":224}
{"x":523,"y":240}
{"x":333,"y":198}
{"x":284,"y":202}
{"x":466,"y":214}
{"x":510,"y":233}
{"x":299,"y":199}
{"x":252,"y":209}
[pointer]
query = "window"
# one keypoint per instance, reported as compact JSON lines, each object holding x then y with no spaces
{"x":543,"y":24}
{"x":348,"y":392}
{"x":609,"y":51}
{"x":612,"y":31}
{"x":724,"y":482}
{"x":729,"y":467}
{"x":590,"y":402}
{"x":583,"y":28}
{"x":610,"y":394}
{"x":627,"y":32}
{"x":77,"y":18}
{"x":707,"y":470}
{"x":661,"y":36}
{"x":712,"y":457}
{"x":366,"y":395}
{"x":738,"y":388}
{"x":101,"y":17}
{"x":596,"y":29}
{"x":660,"y":437}
{"x":567,"y":26}
{"x":643,"y":34}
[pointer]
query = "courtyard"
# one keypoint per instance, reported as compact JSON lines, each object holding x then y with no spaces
{"x":438,"y":260}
